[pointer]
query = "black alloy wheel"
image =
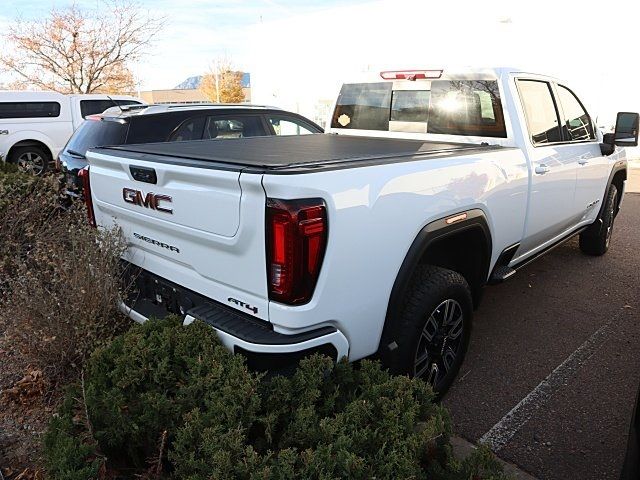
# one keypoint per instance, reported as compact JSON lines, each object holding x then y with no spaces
{"x":440,"y":343}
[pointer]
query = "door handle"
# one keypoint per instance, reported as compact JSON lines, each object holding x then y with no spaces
{"x":582,"y":161}
{"x":542,"y":169}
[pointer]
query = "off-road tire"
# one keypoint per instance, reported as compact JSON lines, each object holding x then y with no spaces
{"x":596,"y":239}
{"x":429,"y":288}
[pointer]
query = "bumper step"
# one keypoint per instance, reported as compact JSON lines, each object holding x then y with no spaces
{"x":249,"y":329}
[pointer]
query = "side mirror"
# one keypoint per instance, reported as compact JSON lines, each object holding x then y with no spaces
{"x":607,"y":147}
{"x":626,"y":132}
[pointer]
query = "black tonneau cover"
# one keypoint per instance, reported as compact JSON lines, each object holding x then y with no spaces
{"x":290,"y":154}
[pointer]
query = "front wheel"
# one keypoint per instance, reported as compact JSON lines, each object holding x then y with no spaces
{"x":433,"y":333}
{"x":596,"y":239}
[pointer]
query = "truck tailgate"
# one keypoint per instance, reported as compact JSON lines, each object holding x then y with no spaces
{"x":202,"y":228}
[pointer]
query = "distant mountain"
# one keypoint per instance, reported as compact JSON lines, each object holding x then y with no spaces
{"x":246,"y":80}
{"x":192,"y":83}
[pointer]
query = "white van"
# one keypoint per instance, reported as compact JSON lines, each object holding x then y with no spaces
{"x":34,"y":126}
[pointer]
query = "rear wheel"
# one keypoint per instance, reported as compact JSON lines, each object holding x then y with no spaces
{"x":596,"y":239}
{"x":434,"y":330}
{"x":32,"y":160}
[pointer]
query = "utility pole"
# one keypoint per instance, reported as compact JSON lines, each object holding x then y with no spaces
{"x":217,"y":76}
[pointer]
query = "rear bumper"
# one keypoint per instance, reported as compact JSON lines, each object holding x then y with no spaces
{"x":239,"y":332}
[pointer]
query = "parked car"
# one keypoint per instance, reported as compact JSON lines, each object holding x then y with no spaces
{"x":376,"y":238}
{"x":159,"y":123}
{"x":34,"y":126}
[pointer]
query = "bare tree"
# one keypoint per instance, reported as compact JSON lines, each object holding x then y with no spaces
{"x":222,"y":84}
{"x":74,"y":50}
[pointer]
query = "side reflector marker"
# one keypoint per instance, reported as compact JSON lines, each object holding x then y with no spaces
{"x":456,"y":218}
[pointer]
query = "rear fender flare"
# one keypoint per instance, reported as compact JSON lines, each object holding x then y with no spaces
{"x":428,"y":235}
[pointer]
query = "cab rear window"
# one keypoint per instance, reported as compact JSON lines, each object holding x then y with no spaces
{"x":464,"y":107}
{"x":363,"y":106}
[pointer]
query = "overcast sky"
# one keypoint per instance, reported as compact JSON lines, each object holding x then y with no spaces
{"x":592,"y":46}
{"x":196,"y":31}
{"x":305,"y":48}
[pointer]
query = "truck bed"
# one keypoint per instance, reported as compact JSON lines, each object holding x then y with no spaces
{"x":291,"y":154}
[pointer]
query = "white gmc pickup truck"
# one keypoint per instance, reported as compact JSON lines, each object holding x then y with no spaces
{"x":375,"y":238}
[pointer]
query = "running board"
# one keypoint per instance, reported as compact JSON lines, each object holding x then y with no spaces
{"x":502,"y":271}
{"x":547,"y":249}
{"x":501,"y":274}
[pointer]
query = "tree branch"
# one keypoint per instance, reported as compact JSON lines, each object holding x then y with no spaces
{"x":80,"y":51}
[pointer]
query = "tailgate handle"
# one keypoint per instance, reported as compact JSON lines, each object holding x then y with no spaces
{"x":144,"y":174}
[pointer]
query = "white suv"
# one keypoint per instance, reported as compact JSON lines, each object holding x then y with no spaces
{"x":34,"y":126}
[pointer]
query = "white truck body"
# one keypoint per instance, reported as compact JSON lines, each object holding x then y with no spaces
{"x":46,"y":119}
{"x":384,"y":193}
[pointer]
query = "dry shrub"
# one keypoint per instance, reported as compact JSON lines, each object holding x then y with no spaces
{"x":26,"y":205}
{"x":60,"y":277}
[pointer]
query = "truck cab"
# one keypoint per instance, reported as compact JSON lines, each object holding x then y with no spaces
{"x":540,"y":115}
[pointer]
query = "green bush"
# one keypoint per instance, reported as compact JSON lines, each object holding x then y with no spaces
{"x":70,"y":450}
{"x":145,"y":381}
{"x":167,"y":401}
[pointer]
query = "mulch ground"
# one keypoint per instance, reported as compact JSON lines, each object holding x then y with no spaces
{"x":27,"y":401}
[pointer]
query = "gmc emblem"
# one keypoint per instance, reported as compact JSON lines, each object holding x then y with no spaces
{"x":150,"y":200}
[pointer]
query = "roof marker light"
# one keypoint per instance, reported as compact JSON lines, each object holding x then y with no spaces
{"x":411,"y":74}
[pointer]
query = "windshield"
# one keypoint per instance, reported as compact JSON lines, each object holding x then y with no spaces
{"x":96,"y":133}
{"x":451,"y":107}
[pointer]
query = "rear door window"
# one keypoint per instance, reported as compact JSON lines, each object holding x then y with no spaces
{"x":190,"y":129}
{"x":577,"y":123}
{"x":540,"y":111}
{"x":97,"y":133}
{"x":29,"y":109}
{"x":239,"y":126}
{"x":283,"y":125}
{"x":92,"y":107}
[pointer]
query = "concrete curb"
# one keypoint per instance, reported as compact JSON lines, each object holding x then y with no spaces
{"x":462,"y":448}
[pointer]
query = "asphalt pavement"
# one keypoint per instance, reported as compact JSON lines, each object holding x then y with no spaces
{"x":553,"y":367}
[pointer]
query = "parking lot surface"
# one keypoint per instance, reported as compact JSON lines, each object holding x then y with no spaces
{"x":554,"y":363}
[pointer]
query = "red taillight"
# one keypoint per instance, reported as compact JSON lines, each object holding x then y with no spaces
{"x":296,"y":241}
{"x":86,"y":192}
{"x":411,"y":74}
